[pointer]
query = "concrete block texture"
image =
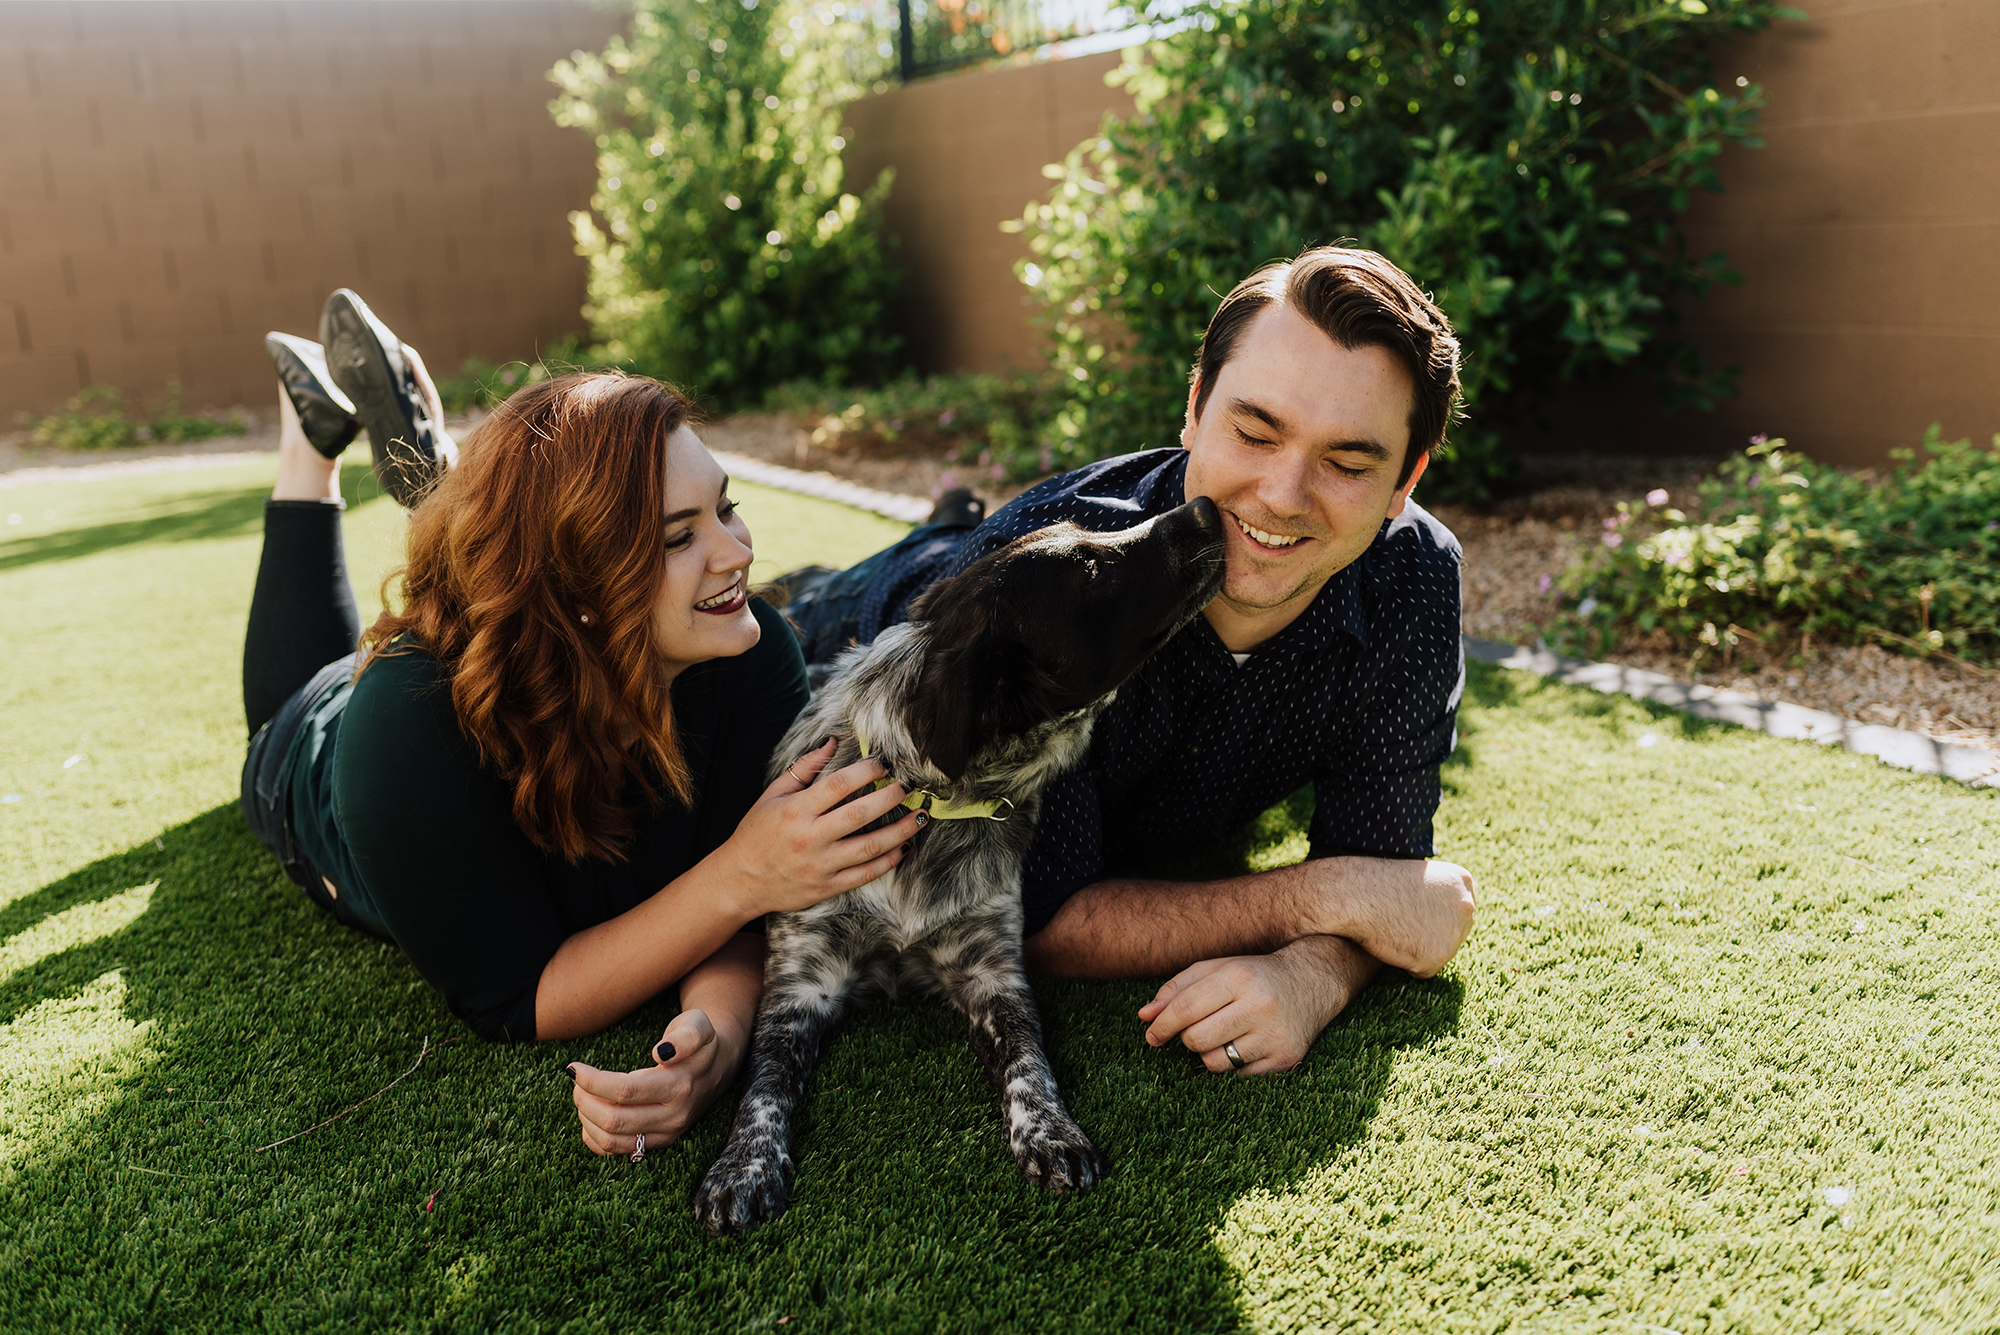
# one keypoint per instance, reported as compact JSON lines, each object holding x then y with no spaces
{"x":175,"y":179}
{"x":968,"y":152}
{"x":1865,"y":232}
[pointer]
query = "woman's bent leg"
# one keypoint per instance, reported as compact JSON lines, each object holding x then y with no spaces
{"x":302,"y":615}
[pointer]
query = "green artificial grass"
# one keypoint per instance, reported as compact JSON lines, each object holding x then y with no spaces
{"x":1720,"y":1054}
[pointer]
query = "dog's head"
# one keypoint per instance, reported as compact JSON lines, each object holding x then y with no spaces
{"x":1054,"y":622}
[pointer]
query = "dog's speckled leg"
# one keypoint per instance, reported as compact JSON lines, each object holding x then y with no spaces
{"x":983,"y":977}
{"x":750,"y":1183}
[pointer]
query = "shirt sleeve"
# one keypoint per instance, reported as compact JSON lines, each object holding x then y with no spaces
{"x":461,"y":890}
{"x":1377,"y":795}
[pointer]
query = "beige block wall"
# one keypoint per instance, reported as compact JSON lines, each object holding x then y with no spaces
{"x":177,"y":178}
{"x":1867,"y":231}
{"x":968,"y":151}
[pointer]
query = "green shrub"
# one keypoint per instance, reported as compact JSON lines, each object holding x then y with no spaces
{"x":991,"y":424}
{"x":1779,"y":550}
{"x":729,"y":259}
{"x":96,"y":419}
{"x":1526,"y":161}
{"x":174,"y":426}
{"x":93,"y":419}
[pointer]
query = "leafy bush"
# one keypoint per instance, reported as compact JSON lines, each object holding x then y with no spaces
{"x":1780,"y":549}
{"x":174,"y":425}
{"x":989,"y":423}
{"x":1528,"y":161}
{"x":96,"y":419}
{"x":729,"y":259}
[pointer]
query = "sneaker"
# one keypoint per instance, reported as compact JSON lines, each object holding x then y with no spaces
{"x":958,"y":508}
{"x":326,"y":414}
{"x":366,"y":360}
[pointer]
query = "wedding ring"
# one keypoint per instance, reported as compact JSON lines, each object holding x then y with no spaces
{"x":795,"y":778}
{"x":639,"y":1151}
{"x":1228,"y":1050}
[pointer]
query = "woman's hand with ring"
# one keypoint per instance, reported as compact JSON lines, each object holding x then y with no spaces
{"x":659,"y":1101}
{"x":805,"y":841}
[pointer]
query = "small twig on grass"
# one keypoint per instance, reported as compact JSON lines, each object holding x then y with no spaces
{"x":427,"y":1050}
{"x":1844,"y":858}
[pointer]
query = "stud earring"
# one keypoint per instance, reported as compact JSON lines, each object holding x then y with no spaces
{"x":584,"y":617}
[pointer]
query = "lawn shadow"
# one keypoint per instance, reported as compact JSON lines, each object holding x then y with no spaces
{"x":150,"y":1058}
{"x":189,"y":517}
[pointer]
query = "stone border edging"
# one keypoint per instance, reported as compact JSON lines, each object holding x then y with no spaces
{"x":826,"y":487}
{"x":1893,"y":746}
{"x":94,"y":472}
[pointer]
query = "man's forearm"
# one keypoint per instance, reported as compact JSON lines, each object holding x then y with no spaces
{"x":1409,"y":913}
{"x":1129,"y":928}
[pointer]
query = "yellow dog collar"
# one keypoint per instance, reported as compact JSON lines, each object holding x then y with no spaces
{"x":937,"y":808}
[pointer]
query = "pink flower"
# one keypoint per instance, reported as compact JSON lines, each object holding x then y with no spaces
{"x":947,"y":417}
{"x":1545,"y":583}
{"x":1759,"y":438}
{"x":1657,"y":496}
{"x":998,"y":472}
{"x":1610,"y":522}
{"x":1614,"y":540}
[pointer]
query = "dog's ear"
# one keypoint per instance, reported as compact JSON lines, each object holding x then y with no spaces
{"x":991,"y":687}
{"x":1018,"y":694}
{"x":943,"y":715}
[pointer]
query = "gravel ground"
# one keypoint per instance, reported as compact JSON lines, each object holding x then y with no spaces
{"x":1508,"y":548}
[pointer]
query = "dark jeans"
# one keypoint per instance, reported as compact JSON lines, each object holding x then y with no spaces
{"x":302,"y":636}
{"x":828,"y":608}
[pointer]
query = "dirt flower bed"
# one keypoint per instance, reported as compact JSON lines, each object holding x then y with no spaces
{"x":1514,"y":550}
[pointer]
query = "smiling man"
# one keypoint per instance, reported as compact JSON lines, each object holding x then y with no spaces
{"x":1331,"y":657}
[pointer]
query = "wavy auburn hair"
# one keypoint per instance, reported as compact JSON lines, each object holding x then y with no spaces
{"x":555,"y":506}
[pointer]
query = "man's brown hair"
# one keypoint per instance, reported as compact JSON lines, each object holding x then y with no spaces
{"x":1359,"y":300}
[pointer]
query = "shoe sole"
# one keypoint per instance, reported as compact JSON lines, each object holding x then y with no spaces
{"x":365,"y":360}
{"x":325,"y":414}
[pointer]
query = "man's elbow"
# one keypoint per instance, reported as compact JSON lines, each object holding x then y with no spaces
{"x":1458,"y":895}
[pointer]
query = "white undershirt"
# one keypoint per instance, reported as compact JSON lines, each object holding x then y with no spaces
{"x":1241,"y":659}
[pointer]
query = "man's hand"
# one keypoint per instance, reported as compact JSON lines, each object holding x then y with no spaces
{"x":659,"y":1101}
{"x":1271,"y":1006}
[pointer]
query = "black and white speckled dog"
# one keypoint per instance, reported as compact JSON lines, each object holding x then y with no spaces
{"x":984,"y":696}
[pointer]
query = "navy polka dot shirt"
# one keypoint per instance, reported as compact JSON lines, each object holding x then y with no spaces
{"x":1358,"y":696}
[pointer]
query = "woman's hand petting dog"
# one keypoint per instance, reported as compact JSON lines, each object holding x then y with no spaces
{"x":1271,"y":1007}
{"x":799,"y":844}
{"x":662,"y":1100}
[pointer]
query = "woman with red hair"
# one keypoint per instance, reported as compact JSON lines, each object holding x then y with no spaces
{"x":541,"y":777}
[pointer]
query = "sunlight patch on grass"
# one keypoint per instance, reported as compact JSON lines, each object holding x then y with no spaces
{"x":63,"y":1063}
{"x":72,"y":927}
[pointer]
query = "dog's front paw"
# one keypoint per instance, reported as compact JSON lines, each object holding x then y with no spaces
{"x":742,"y":1189}
{"x":1053,"y":1151}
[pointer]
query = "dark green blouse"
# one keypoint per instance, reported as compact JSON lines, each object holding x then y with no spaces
{"x":389,"y":801}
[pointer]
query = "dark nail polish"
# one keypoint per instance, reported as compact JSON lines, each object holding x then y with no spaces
{"x":569,"y":1071}
{"x":906,"y":848}
{"x":922,"y":820}
{"x":665,"y":1052}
